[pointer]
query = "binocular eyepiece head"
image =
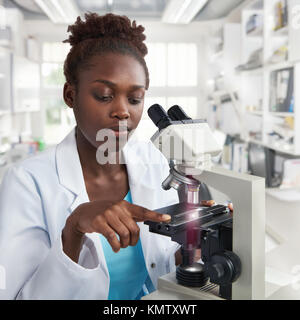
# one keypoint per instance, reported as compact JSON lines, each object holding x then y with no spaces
{"x":162,"y":119}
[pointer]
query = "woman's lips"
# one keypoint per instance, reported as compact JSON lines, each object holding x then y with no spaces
{"x":120,"y":130}
{"x":122,"y":133}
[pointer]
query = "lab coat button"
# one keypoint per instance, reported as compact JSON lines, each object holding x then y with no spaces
{"x":153,"y":265}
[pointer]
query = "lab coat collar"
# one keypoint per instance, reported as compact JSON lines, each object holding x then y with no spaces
{"x":70,"y":171}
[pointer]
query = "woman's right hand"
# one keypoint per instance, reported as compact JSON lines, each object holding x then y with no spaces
{"x":108,"y":219}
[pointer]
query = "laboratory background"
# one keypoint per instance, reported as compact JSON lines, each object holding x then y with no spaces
{"x":235,"y":63}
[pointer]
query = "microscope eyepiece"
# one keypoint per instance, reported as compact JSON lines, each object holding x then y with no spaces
{"x":159,"y":116}
{"x":176,"y":113}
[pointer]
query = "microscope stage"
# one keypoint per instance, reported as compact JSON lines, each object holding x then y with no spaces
{"x":185,"y":215}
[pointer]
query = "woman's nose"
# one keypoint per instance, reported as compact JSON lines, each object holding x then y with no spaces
{"x":120,"y":111}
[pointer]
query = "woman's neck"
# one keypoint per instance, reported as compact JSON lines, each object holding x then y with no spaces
{"x":87,"y":154}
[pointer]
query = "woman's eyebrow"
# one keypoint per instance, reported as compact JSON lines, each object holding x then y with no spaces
{"x":111,"y":84}
{"x":135,"y":87}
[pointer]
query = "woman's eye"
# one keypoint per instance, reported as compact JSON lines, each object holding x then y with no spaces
{"x":135,"y":101}
{"x":103,"y":98}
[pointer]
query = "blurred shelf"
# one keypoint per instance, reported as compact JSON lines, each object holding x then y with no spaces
{"x":255,"y":141}
{"x":284,"y":148}
{"x":255,"y":113}
{"x":251,"y":72}
{"x":267,"y":67}
{"x":256,"y":33}
{"x":278,"y":66}
{"x":281,"y":114}
{"x":282,"y":32}
{"x":287,"y":149}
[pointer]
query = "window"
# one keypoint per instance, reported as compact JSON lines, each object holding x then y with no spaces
{"x":59,"y":117}
{"x":53,"y":75}
{"x":55,"y":51}
{"x":173,"y":80}
{"x":54,"y":54}
{"x":172,"y":64}
{"x":189,"y":104}
{"x":182,"y":64}
{"x":156,"y":60}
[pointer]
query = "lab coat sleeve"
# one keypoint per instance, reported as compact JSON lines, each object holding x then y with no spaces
{"x":34,"y":267}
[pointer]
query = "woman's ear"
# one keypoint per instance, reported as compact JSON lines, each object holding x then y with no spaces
{"x":69,"y":95}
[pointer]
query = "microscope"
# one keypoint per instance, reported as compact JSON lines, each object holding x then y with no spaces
{"x":232,"y":245}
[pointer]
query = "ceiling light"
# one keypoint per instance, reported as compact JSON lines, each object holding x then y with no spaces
{"x":59,"y":11}
{"x":182,"y":11}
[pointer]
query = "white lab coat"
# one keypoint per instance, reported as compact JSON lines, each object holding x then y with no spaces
{"x":38,"y":195}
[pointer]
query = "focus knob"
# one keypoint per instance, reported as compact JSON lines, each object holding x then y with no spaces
{"x":224,"y":268}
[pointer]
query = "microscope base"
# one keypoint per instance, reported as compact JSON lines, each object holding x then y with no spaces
{"x":169,"y":289}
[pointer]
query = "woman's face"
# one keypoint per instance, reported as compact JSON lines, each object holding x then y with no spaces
{"x":110,"y":92}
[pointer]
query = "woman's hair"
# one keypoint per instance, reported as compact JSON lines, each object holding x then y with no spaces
{"x":102,"y":34}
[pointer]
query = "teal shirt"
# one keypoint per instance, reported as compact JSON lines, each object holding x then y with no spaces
{"x":129,"y":279}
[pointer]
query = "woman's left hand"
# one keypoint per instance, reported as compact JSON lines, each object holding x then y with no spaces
{"x":210,"y":203}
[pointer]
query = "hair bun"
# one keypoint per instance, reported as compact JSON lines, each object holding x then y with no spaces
{"x":107,"y":26}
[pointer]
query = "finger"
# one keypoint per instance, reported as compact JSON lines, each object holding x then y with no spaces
{"x":145,"y":214}
{"x":142,"y":214}
{"x":197,"y":256}
{"x":132,"y":227}
{"x":121,"y":229}
{"x":111,"y":237}
{"x":207,"y":203}
{"x":230,"y":206}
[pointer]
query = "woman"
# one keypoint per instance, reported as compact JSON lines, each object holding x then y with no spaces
{"x":66,"y":231}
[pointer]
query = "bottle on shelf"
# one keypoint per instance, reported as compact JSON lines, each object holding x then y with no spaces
{"x":281,"y":14}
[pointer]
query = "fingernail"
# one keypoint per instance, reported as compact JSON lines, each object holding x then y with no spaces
{"x":208,"y":202}
{"x":166,"y":217}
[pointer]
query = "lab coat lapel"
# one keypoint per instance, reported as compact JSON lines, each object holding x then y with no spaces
{"x":71,"y":177}
{"x":69,"y":169}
